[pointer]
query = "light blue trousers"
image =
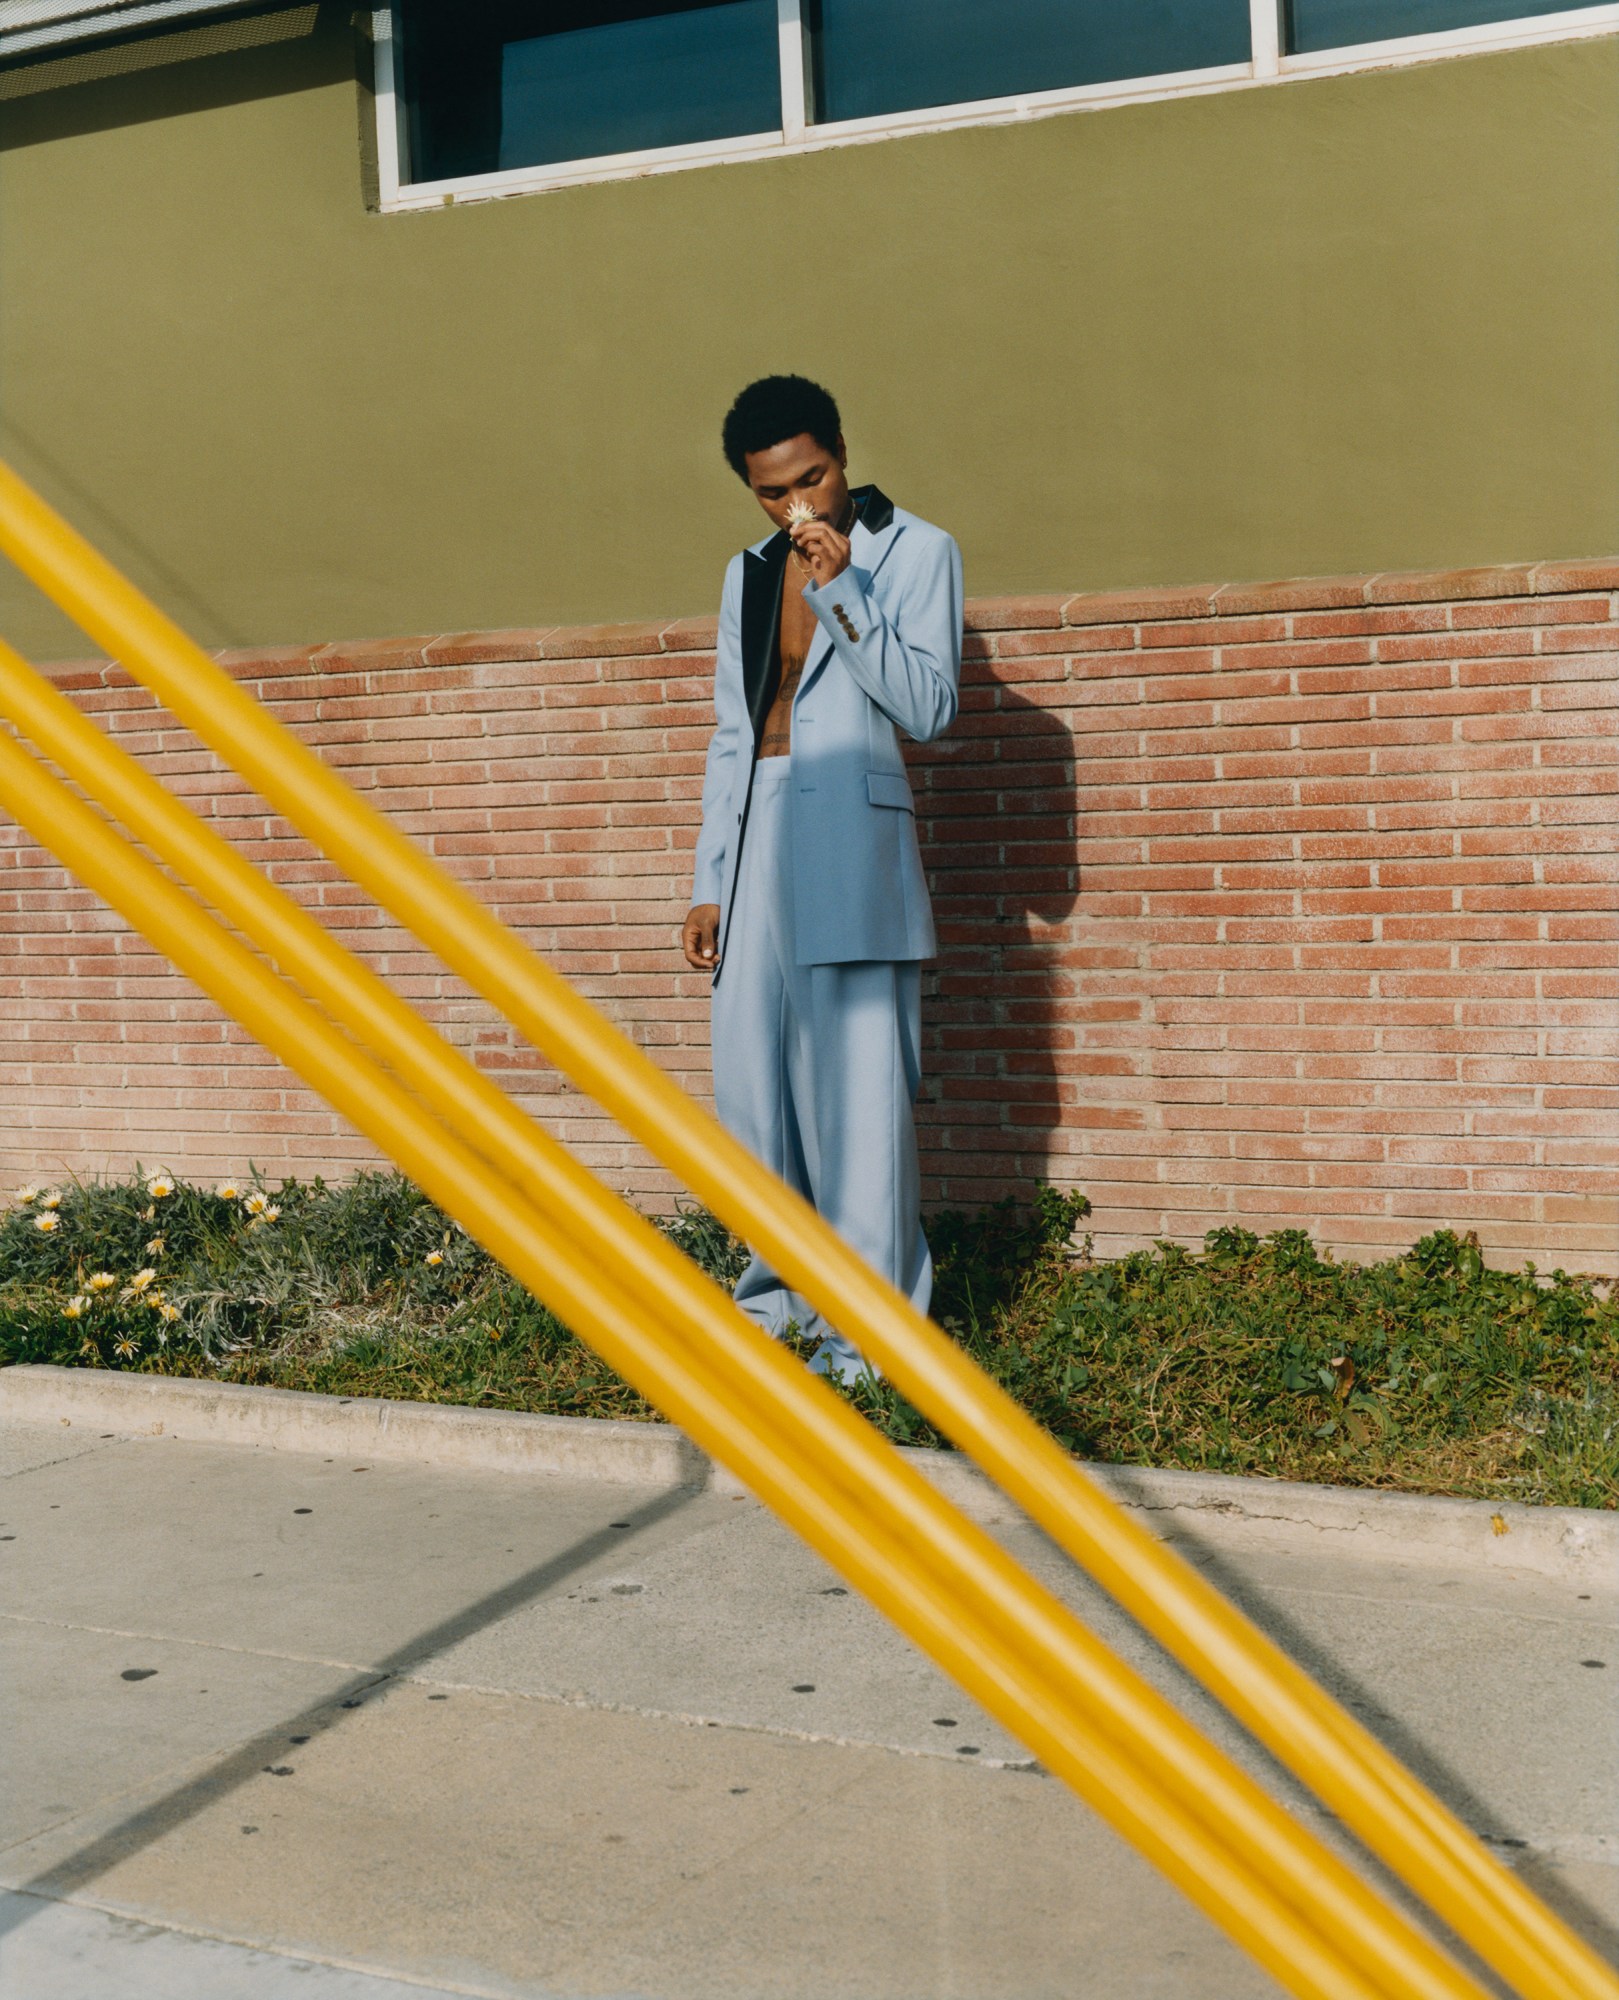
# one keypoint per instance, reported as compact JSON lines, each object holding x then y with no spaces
{"x":816,"y":1069}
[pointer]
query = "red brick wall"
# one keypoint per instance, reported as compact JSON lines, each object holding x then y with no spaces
{"x":1291,"y":905}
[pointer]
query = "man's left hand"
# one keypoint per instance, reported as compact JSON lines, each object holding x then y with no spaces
{"x":823,"y":548}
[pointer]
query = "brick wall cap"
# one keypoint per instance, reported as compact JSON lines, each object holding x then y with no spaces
{"x":691,"y":635}
{"x":369,"y":655}
{"x":1130,"y":607}
{"x":1294,"y":593}
{"x":267,"y":659}
{"x":472,"y":649}
{"x":73,"y":675}
{"x":1425,"y":585}
{"x":1000,"y":614}
{"x":1028,"y":611}
{"x":593,"y":642}
{"x":1600,"y":573}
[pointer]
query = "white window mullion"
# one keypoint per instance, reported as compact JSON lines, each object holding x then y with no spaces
{"x":794,"y":84}
{"x":393,"y":165}
{"x":1266,"y":27}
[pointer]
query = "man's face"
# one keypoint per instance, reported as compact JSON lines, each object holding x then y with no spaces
{"x":800,"y":469}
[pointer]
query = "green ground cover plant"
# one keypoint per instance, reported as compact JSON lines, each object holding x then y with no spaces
{"x":1430,"y":1371}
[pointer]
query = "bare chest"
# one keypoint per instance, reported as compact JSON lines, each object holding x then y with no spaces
{"x":798,"y":630}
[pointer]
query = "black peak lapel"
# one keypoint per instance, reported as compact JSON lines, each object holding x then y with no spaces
{"x":876,"y":509}
{"x":762,"y":577}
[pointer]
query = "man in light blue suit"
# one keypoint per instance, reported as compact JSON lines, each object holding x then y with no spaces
{"x":839,"y":632}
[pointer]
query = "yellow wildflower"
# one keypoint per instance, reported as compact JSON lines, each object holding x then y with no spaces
{"x":102,"y":1281}
{"x":124,"y":1346}
{"x":155,"y":1247}
{"x":159,"y":1186}
{"x":48,"y":1221}
{"x":170,"y":1312}
{"x":24,"y":1195}
{"x":434,"y":1257}
{"x":142,"y":1279}
{"x":75,"y":1306}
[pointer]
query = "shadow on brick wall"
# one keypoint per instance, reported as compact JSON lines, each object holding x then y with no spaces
{"x":996,"y":812}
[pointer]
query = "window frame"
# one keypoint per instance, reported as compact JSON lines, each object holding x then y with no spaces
{"x":796,"y":134}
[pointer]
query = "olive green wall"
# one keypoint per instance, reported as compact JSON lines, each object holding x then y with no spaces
{"x":1359,"y":323}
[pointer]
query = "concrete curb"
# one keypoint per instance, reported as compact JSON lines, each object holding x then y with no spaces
{"x":1567,"y":1543}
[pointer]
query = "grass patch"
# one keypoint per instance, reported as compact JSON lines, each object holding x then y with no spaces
{"x":1429,"y":1372}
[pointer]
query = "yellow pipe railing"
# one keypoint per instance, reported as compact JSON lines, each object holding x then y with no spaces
{"x":1267,"y":1881}
{"x":1397,"y":1817}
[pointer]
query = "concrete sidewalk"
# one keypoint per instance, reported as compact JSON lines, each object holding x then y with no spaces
{"x":283,"y":1724}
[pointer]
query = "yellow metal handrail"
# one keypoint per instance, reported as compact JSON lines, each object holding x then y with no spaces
{"x":1397,"y":1817}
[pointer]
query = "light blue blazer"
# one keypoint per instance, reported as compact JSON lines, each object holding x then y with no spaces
{"x":887,"y":659}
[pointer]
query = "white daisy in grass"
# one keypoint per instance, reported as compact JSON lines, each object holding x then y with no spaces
{"x":75,"y":1306}
{"x":141,"y":1280}
{"x":102,"y":1281}
{"x":159,"y":1187}
{"x":24,"y":1195}
{"x":155,"y":1247}
{"x":51,"y":1200}
{"x":229,"y":1191}
{"x":47,"y":1222}
{"x":170,"y":1312}
{"x":272,"y":1213}
{"x":126,"y":1346}
{"x":256,"y":1203}
{"x":434,"y":1257}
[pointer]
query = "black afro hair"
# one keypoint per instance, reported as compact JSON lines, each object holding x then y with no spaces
{"x":774,"y":408}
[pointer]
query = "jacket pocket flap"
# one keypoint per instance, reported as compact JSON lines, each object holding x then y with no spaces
{"x":890,"y":788}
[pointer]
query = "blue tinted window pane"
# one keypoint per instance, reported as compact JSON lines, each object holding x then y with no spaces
{"x":1336,"y":24}
{"x":876,"y":56}
{"x":521,"y":83}
{"x":664,"y":77}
